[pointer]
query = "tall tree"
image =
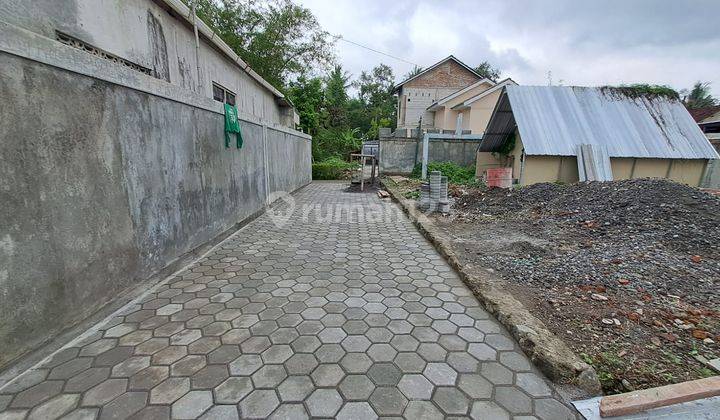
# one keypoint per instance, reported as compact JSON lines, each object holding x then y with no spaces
{"x":486,"y":70}
{"x":700,"y":97}
{"x":277,"y":38}
{"x":307,"y":96}
{"x":336,"y":97}
{"x":375,"y":91}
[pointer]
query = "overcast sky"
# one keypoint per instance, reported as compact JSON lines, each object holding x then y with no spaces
{"x":600,"y":42}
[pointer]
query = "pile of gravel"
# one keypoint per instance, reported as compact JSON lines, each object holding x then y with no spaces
{"x":659,"y":235}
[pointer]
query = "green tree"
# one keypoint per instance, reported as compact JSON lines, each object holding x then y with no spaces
{"x":487,"y":71}
{"x":307,"y":96}
{"x":375,"y":92}
{"x":277,"y":38}
{"x":336,"y":97}
{"x":357,"y":115}
{"x":412,"y":73}
{"x":699,"y":96}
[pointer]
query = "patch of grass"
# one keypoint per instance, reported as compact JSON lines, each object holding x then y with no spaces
{"x":413,"y":195}
{"x":672,"y":358}
{"x":607,"y":379}
{"x":611,"y":359}
{"x":587,"y":358}
{"x":643,"y":90}
{"x":704,"y":372}
{"x":668,"y":377}
{"x":456,"y":174}
{"x":332,"y":168}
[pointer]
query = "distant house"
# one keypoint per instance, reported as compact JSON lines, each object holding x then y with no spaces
{"x":709,"y":121}
{"x":644,"y":136}
{"x":438,"y":81}
{"x":469,"y":109}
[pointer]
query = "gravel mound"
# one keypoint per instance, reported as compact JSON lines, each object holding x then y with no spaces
{"x":657,"y":234}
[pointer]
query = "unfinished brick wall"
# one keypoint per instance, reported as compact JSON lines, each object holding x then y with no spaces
{"x":416,"y":95}
{"x":449,"y":74}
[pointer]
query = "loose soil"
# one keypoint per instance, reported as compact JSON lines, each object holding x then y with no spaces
{"x":626,"y":272}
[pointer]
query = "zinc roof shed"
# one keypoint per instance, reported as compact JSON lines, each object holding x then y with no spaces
{"x":554,"y":120}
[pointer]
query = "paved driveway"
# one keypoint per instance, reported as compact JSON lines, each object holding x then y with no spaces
{"x":343,"y":311}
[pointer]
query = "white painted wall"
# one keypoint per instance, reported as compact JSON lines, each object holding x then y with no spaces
{"x":419,"y":100}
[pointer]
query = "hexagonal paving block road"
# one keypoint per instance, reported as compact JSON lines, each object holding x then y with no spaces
{"x":338,"y":308}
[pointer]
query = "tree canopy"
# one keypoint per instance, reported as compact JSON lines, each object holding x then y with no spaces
{"x":338,"y":122}
{"x":279,"y":39}
{"x":284,"y":43}
{"x":412,"y":73}
{"x":699,"y":96}
{"x":487,"y":71}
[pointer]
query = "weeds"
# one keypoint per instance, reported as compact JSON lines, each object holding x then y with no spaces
{"x":456,"y":174}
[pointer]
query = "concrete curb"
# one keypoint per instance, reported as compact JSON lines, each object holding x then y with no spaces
{"x":547,"y":351}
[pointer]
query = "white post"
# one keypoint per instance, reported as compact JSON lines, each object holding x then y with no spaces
{"x":197,"y":47}
{"x":458,"y":124}
{"x":426,"y":147}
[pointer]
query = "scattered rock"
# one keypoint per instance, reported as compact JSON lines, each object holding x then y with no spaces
{"x":633,"y":316}
{"x":632,"y":242}
{"x":626,"y":385}
{"x":700,"y":334}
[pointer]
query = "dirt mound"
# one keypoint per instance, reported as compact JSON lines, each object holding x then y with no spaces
{"x":680,"y":217}
{"x":627,"y":272}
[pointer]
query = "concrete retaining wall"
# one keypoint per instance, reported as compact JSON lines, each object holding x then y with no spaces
{"x":399,"y":155}
{"x":106,"y":180}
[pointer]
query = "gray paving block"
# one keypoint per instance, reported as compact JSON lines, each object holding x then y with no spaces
{"x":324,"y":403}
{"x":327,"y":375}
{"x":170,"y":390}
{"x":192,"y":405}
{"x":357,"y":411}
{"x":383,"y":374}
{"x":290,"y":411}
{"x":124,"y":405}
{"x":356,"y":387}
{"x":422,"y":410}
{"x":416,"y":387}
{"x":55,"y":407}
{"x":295,"y":388}
{"x":341,"y":319}
{"x":259,"y":404}
{"x":37,"y":394}
{"x":451,"y":400}
{"x":388,"y":401}
{"x":233,"y":389}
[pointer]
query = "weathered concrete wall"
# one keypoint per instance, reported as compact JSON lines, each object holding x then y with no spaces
{"x":399,"y":155}
{"x":488,"y":160}
{"x":103,"y":184}
{"x":146,"y":34}
{"x":712,"y":175}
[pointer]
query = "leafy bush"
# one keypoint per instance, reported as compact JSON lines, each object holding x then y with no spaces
{"x":332,"y":168}
{"x":456,"y":174}
{"x":335,"y":143}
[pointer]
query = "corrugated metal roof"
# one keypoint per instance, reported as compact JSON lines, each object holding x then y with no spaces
{"x":553,"y":120}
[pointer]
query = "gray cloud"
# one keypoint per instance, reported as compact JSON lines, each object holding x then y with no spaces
{"x":582,"y":42}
